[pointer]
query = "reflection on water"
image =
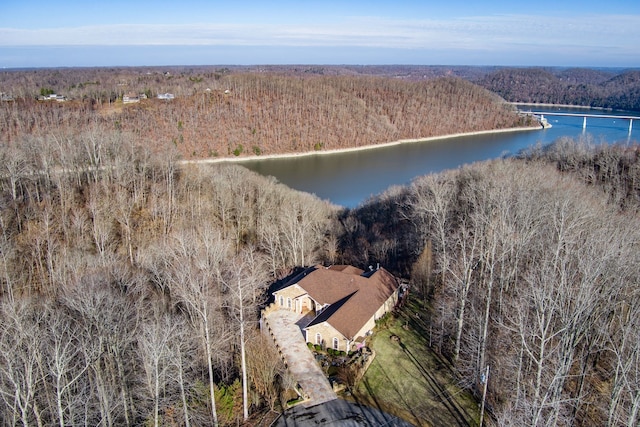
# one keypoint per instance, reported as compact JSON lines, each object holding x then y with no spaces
{"x":349,"y":178}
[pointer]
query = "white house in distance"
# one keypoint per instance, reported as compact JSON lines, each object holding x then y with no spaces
{"x":166,"y":96}
{"x":344,"y":301}
{"x":53,"y":97}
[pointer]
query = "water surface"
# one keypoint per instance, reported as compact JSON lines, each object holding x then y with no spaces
{"x":350,"y":178}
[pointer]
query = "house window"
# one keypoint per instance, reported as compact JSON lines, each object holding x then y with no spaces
{"x":289,"y":303}
{"x":335,"y":343}
{"x":318,"y":338}
{"x":281,"y":301}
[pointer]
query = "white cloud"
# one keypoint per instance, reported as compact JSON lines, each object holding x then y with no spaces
{"x":490,"y":33}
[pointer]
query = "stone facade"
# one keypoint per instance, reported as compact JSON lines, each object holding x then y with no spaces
{"x":295,"y":299}
{"x":327,"y":335}
{"x":286,"y":298}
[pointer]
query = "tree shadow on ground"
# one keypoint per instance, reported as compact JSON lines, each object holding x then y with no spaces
{"x":409,"y":378}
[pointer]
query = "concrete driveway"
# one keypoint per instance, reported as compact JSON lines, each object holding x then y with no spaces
{"x":300,"y":360}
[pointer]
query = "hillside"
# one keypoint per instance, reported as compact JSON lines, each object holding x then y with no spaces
{"x":226,"y":113}
{"x":584,"y":87}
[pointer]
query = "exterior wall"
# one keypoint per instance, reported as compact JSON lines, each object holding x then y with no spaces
{"x":301,"y":302}
{"x":291,"y":292}
{"x":384,"y":308}
{"x":371,"y":323}
{"x":387,"y":306}
{"x":327,"y":333}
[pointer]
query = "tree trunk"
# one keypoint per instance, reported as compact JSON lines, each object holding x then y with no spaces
{"x":214,"y":413}
{"x":245,"y":403}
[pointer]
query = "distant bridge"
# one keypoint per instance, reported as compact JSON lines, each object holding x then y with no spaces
{"x":541,"y":115}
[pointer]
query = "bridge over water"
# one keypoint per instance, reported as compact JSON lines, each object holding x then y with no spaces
{"x":541,"y":114}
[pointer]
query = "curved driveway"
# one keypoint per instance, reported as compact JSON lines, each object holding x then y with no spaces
{"x":300,"y":361}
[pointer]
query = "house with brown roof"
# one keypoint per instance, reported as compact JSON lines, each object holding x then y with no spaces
{"x":343,"y":301}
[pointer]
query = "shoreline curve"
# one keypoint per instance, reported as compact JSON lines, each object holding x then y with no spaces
{"x":351,"y":149}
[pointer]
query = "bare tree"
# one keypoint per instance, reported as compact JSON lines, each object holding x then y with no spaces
{"x":101,"y":220}
{"x":66,"y":362}
{"x":265,"y":368}
{"x":431,"y":199}
{"x":245,"y":281}
{"x":107,"y":321}
{"x":194,"y":279}
{"x":181,"y":346}
{"x":20,"y":358}
{"x":154,"y":347}
{"x":461,"y":271}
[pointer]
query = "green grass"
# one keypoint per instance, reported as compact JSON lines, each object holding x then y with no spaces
{"x":411,"y":381}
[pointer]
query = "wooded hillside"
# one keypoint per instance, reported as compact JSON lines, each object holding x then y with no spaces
{"x":582,"y":87}
{"x":222,"y":114}
{"x":129,"y":293}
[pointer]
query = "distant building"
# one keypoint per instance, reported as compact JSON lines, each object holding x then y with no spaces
{"x":130,"y":98}
{"x":166,"y":96}
{"x":53,"y":97}
{"x":6,"y":97}
{"x":133,"y":98}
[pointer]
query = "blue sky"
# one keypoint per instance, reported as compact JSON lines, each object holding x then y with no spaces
{"x":50,"y":33}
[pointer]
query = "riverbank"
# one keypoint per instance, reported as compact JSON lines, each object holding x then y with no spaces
{"x":352,"y":149}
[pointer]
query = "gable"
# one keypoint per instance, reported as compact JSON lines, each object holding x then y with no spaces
{"x":292,"y":291}
{"x":354,"y":299}
{"x":326,"y":286}
{"x":327,"y":333}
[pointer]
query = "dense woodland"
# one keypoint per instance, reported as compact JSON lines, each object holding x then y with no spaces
{"x":223,"y":113}
{"x":582,"y":87}
{"x":130,"y":291}
{"x":530,"y":266}
{"x":131,"y":283}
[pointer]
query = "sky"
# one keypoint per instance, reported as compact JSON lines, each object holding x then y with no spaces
{"x":71,"y":33}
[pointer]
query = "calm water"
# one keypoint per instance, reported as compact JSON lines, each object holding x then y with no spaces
{"x":348,"y":179}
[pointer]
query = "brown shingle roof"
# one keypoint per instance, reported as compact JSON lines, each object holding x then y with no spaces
{"x":326,"y":285}
{"x":358,"y":297}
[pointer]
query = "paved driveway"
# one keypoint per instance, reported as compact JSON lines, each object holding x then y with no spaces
{"x":300,"y":360}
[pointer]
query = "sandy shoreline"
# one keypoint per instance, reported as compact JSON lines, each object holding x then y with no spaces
{"x":361,"y":148}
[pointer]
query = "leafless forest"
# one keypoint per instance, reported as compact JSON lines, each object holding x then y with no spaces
{"x":529,"y":266}
{"x":129,"y":292}
{"x":603,"y":88}
{"x":223,"y":113}
{"x":131,"y":283}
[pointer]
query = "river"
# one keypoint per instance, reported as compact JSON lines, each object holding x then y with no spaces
{"x":350,"y":178}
